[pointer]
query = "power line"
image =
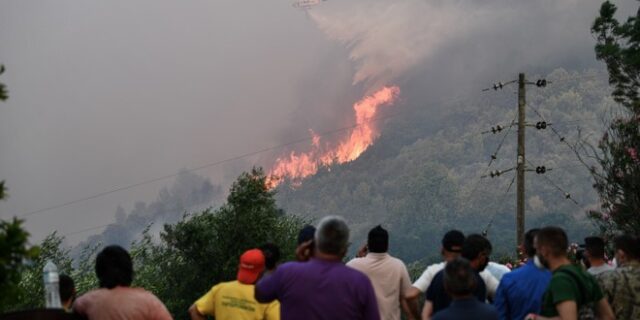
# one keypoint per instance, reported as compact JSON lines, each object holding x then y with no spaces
{"x":213,"y":164}
{"x":208,"y":165}
{"x":88,"y":229}
{"x":504,"y":196}
{"x":565,"y":194}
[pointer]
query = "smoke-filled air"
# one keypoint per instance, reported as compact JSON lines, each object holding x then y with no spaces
{"x":188,"y":132}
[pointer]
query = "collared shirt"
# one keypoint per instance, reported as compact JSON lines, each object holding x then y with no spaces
{"x":234,"y":300}
{"x":467,"y":309}
{"x":390,"y":280}
{"x":520,"y":291}
{"x":621,"y":287}
{"x":319,"y":290}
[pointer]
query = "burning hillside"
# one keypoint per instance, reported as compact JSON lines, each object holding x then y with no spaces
{"x":297,"y":165}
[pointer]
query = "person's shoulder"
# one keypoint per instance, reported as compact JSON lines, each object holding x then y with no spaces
{"x":436,"y":266}
{"x":354,"y":274}
{"x":356,"y":262}
{"x":291,"y":266}
{"x":487,"y":311}
{"x":397,"y":261}
{"x":90,"y":296}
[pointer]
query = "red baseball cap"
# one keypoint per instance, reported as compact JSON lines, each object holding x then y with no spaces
{"x":251,"y":265}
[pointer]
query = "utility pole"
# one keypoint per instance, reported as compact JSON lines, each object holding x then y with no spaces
{"x":520,"y":169}
{"x":521,"y":161}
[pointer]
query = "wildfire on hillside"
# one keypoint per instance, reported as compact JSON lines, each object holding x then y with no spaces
{"x":298,"y":165}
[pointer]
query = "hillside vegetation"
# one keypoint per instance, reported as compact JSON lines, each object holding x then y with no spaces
{"x":422,"y":176}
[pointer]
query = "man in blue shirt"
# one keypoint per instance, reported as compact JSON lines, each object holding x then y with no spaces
{"x":520,"y":291}
{"x":460,"y":282}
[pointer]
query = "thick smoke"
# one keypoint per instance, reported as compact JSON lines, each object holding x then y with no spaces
{"x":389,"y":39}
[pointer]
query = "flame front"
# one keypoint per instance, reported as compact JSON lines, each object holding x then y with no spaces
{"x":296,"y":166}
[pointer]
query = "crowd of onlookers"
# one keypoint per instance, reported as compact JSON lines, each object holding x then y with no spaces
{"x":375,"y":285}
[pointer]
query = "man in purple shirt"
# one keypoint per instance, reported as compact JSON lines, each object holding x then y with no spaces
{"x":323,"y":287}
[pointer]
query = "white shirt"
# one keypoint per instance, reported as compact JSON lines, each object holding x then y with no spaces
{"x":427,"y":276}
{"x":598,"y":270}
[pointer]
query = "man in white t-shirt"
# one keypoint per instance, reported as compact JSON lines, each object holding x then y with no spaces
{"x":594,"y":253}
{"x":451,"y":247}
{"x":388,"y":275}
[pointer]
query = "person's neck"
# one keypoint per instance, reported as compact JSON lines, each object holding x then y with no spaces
{"x":555,"y":263}
{"x":327,"y":257}
{"x":596,"y":262}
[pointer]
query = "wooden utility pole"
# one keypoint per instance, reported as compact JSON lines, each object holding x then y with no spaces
{"x":520,"y":161}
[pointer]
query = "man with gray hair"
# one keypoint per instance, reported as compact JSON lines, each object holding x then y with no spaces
{"x":323,"y":287}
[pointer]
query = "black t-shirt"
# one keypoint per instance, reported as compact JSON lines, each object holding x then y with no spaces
{"x":441,"y":299}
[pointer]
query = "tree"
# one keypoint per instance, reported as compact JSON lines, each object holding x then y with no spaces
{"x":14,"y":249}
{"x":203,"y":249}
{"x":31,"y":288}
{"x":617,"y":179}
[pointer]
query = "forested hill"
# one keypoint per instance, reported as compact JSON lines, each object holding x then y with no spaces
{"x":421,"y":177}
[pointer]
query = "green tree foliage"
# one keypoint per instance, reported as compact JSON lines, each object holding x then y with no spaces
{"x":422,"y":176}
{"x":619,"y":172}
{"x":190,"y":256}
{"x":14,"y":249}
{"x":31,"y":294}
{"x":203,"y":249}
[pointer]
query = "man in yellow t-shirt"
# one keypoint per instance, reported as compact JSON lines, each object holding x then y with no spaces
{"x":234,"y":300}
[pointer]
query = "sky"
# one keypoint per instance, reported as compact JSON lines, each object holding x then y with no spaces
{"x":111,"y":93}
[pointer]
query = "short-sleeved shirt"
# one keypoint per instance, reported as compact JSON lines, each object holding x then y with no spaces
{"x":520,"y":292}
{"x":121,"y":303}
{"x":426,"y":277}
{"x":390,"y":280}
{"x":621,"y":287}
{"x":600,"y":269}
{"x":318,"y":290}
{"x":467,"y":309}
{"x":563,"y":287}
{"x":235,"y":301}
{"x":439,"y":297}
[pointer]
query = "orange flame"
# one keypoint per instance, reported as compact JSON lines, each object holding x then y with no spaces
{"x":297,"y":166}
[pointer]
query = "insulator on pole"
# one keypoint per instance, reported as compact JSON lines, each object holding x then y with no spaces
{"x":541,"y":125}
{"x":541,"y":83}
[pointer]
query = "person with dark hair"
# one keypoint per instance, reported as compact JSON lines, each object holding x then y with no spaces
{"x":271,"y":257}
{"x":306,"y":246}
{"x":452,"y":242}
{"x":460,"y":283}
{"x":621,"y":287}
{"x":520,"y":291}
{"x":476,"y":250}
{"x":115,"y":299}
{"x":594,"y":254}
{"x":572,"y":292}
{"x":388,"y":275}
{"x":323,"y":287}
{"x":234,"y":300}
{"x":67,"y":292}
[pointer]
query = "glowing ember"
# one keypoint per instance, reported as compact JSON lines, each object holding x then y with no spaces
{"x":297,"y":166}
